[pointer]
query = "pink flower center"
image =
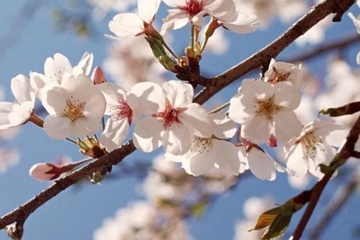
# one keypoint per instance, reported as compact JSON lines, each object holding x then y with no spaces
{"x":121,"y":111}
{"x":168,"y":116}
{"x":193,"y":7}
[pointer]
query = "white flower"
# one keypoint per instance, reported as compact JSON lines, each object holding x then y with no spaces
{"x":207,"y":153}
{"x":314,"y":146}
{"x":117,"y":126}
{"x":134,"y":24}
{"x":58,"y":68}
{"x":171,"y":119}
{"x":17,"y":113}
{"x":282,"y":71}
{"x":264,"y":109}
{"x":187,"y":10}
{"x":75,"y":108}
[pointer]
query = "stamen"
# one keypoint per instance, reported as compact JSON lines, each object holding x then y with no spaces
{"x":121,"y":111}
{"x":310,"y":143}
{"x":267,"y":108}
{"x":201,"y":145}
{"x":74,"y":109}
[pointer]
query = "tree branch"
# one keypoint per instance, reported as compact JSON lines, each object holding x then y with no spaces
{"x":263,"y":57}
{"x":338,"y":44}
{"x":333,"y":208}
{"x":344,"y":154}
{"x":20,"y":214}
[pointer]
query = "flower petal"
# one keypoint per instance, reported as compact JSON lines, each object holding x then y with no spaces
{"x":197,"y":120}
{"x":147,"y":134}
{"x":261,"y":165}
{"x":21,"y":88}
{"x":147,"y":9}
{"x":287,"y":95}
{"x":176,"y":139}
{"x":126,"y":24}
{"x":296,"y":162}
{"x":286,"y":125}
{"x":256,"y":128}
{"x":57,"y":127}
{"x":179,"y":94}
{"x":114,"y":133}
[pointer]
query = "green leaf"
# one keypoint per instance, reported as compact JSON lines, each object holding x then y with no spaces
{"x":266,"y":218}
{"x":278,"y":227}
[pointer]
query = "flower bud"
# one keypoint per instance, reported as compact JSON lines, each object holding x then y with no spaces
{"x":15,"y":231}
{"x":98,"y":76}
{"x":272,"y":142}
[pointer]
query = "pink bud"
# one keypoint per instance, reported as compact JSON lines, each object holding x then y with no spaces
{"x":48,"y":171}
{"x":98,"y":76}
{"x":272,"y":142}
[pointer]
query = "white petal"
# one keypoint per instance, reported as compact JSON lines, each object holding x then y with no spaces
{"x":54,"y":99}
{"x":198,"y":163}
{"x":241,"y":107}
{"x":225,"y":127}
{"x":147,"y":134}
{"x":286,"y":125}
{"x":259,"y":90}
{"x":147,"y":9}
{"x":287,"y":95}
{"x":175,"y":3}
{"x":54,"y":69}
{"x":256,"y":129}
{"x":175,"y":20}
{"x":358,"y":58}
{"x":95,"y":107}
{"x":80,"y":87}
{"x":179,"y":94}
{"x":21,"y":88}
{"x":114,"y":133}
{"x":226,"y":155}
{"x":57,"y":127}
{"x":20,"y":113}
{"x":197,"y":120}
{"x":261,"y":165}
{"x":113,"y":95}
{"x":126,"y":24}
{"x":5,"y":109}
{"x":84,"y":65}
{"x":243,"y":24}
{"x":84,"y":126}
{"x":146,"y":98}
{"x":296,"y":162}
{"x":176,"y":139}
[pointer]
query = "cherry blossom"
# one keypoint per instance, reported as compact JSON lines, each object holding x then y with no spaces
{"x":282,"y":71}
{"x":58,"y":68}
{"x":207,"y":153}
{"x":75,"y":108}
{"x":20,"y":111}
{"x":314,"y":146}
{"x":134,"y":24}
{"x":169,"y":117}
{"x":264,"y":109}
{"x":117,"y":126}
{"x":187,"y":10}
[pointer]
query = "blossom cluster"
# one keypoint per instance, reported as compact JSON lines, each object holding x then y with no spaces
{"x":163,"y":114}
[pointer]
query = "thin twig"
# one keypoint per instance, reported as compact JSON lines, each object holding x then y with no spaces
{"x":344,"y":194}
{"x":316,"y":52}
{"x":344,"y":153}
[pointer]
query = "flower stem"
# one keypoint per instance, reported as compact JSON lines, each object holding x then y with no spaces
{"x":218,"y":109}
{"x":36,"y":120}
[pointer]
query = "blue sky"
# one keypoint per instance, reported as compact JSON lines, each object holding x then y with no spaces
{"x":78,"y":211}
